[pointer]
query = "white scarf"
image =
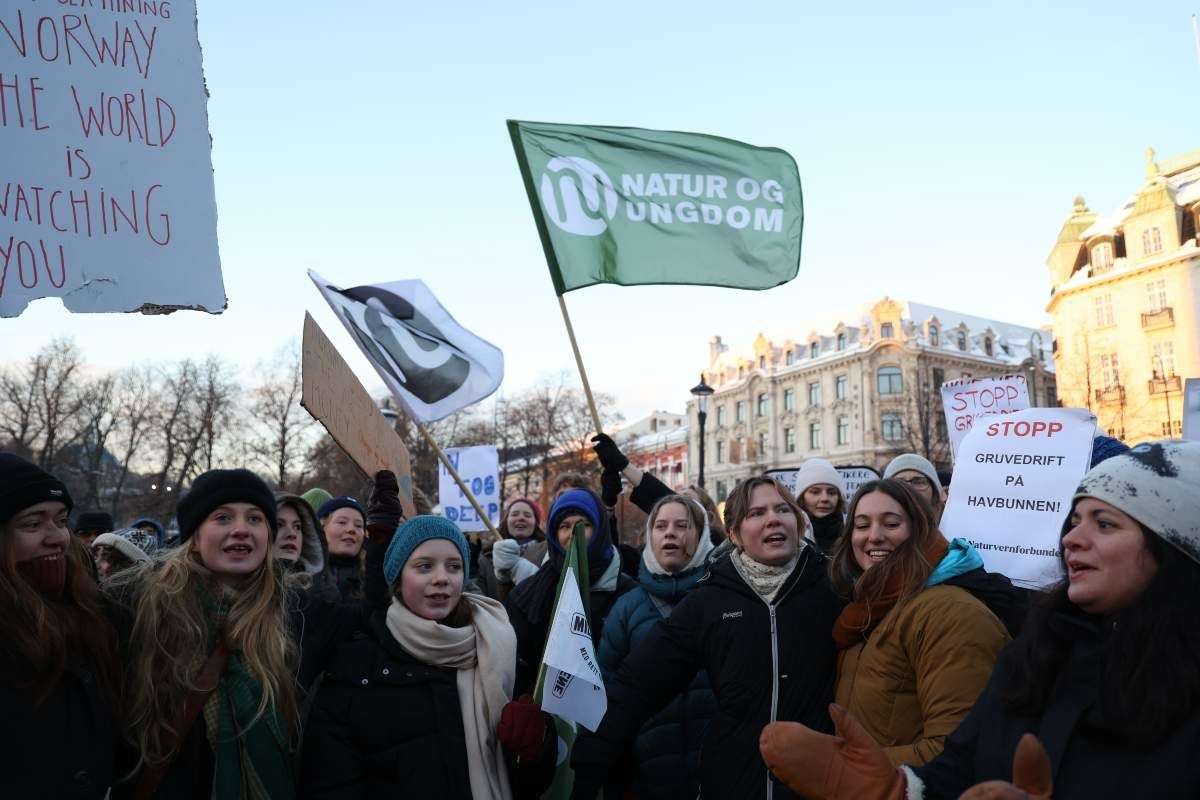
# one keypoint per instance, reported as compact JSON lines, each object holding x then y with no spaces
{"x":765,"y":580}
{"x":485,"y":655}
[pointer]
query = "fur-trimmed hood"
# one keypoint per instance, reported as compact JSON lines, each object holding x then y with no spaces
{"x":313,"y":548}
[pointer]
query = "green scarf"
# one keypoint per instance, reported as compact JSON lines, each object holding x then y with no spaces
{"x":253,"y":757}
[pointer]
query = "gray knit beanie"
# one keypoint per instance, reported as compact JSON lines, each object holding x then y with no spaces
{"x":1158,"y":484}
{"x":914,"y":462}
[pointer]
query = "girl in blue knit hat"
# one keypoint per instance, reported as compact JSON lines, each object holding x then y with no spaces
{"x":422,"y":704}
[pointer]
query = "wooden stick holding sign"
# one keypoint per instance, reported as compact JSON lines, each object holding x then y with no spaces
{"x":587,"y":388}
{"x":461,"y":484}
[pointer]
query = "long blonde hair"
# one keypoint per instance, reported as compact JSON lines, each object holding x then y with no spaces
{"x":172,"y":637}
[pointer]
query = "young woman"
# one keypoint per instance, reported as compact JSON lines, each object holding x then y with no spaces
{"x":820,"y":492}
{"x":759,"y":624}
{"x":518,"y":553}
{"x":421,"y":705}
{"x":344,"y":524}
{"x":1106,"y":673}
{"x":118,"y":550}
{"x":209,"y":660}
{"x":922,"y":477}
{"x":914,"y":651}
{"x":531,"y":603}
{"x":59,"y":680}
{"x":667,"y":749}
{"x":300,"y":541}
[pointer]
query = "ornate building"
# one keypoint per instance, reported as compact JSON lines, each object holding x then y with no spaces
{"x":1125,"y":298}
{"x":858,"y":394}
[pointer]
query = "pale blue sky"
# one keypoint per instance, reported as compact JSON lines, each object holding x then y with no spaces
{"x":939,"y":150}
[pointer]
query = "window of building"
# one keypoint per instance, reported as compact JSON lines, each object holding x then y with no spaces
{"x":1163,"y":361}
{"x":789,"y":399}
{"x":814,"y":436}
{"x":762,"y":447}
{"x":1103,"y":308}
{"x":741,"y":372}
{"x":789,"y":358}
{"x":814,"y":394}
{"x":1102,"y":257}
{"x":1151,"y":241}
{"x":762,"y":362}
{"x":843,"y":430}
{"x":886,"y":332}
{"x":814,"y":349}
{"x":933,"y":336}
{"x":1156,"y":296}
{"x":987,"y":345}
{"x":720,"y":452}
{"x":761,"y":408}
{"x":720,"y":416}
{"x":841,"y":341}
{"x":722,"y":491}
{"x":939,"y":377}
{"x":738,"y":451}
{"x":1172,"y":429}
{"x":739,"y":411}
{"x":892,"y":427}
{"x":1110,"y":371}
{"x":789,"y":440}
{"x":962,"y":341}
{"x":841,"y":387}
{"x":889,"y":380}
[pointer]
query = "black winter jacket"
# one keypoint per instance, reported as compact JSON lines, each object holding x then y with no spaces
{"x":1089,"y":758}
{"x":764,"y":664}
{"x":384,"y":725}
{"x":61,"y":749}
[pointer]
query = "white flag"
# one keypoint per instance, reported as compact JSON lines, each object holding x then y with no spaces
{"x":573,"y":689}
{"x":431,"y":364}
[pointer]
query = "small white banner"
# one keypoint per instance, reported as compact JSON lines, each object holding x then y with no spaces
{"x":970,"y":398}
{"x":1191,"y":410}
{"x":1012,"y":490}
{"x":574,"y":688}
{"x":479,"y":468}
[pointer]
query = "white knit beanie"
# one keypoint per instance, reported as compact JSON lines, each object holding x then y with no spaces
{"x":125,"y":542}
{"x":815,"y":471}
{"x":1158,"y":484}
{"x":914,"y":462}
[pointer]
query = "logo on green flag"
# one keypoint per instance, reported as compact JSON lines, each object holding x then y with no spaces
{"x":632,"y":206}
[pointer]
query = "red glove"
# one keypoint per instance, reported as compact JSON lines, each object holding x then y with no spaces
{"x":384,"y":511}
{"x":1033,"y":777}
{"x":522,"y":729}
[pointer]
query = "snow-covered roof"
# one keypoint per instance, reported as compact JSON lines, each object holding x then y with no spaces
{"x":1184,"y":185}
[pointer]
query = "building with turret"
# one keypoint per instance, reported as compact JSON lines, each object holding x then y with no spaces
{"x":1125,"y":300}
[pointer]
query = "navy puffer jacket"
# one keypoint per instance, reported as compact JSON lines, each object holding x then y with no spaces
{"x":667,"y":751}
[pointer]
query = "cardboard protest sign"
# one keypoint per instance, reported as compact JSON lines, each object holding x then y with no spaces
{"x":1191,"y":409}
{"x":1013,"y":484}
{"x":479,"y":468}
{"x":335,"y":398}
{"x":968,"y":399}
{"x":853,"y":476}
{"x":106,"y":194}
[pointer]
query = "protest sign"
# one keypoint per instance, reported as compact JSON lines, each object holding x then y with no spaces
{"x":479,"y":468}
{"x":335,"y":398}
{"x":1013,"y":484}
{"x":968,"y":399}
{"x":1191,"y":410}
{"x":107,"y":196}
{"x":853,"y":476}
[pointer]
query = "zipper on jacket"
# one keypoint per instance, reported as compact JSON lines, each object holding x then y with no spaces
{"x":775,"y":661}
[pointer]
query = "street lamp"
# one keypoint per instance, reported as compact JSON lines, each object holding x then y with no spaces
{"x":701,"y":391}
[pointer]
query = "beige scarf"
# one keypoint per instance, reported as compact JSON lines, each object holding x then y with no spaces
{"x":485,"y":655}
{"x":765,"y":580}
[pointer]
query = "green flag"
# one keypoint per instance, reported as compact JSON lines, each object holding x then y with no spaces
{"x":633,"y":206}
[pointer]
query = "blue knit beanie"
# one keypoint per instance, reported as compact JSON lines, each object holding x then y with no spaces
{"x":412,"y":534}
{"x":1105,"y":447}
{"x":578,"y":501}
{"x":329,"y":506}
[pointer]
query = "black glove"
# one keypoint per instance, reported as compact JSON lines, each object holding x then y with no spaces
{"x":384,"y":511}
{"x":610,"y":487}
{"x":611,"y":457}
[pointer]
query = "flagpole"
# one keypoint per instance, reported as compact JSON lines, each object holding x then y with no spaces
{"x":587,"y":388}
{"x":454,"y":474}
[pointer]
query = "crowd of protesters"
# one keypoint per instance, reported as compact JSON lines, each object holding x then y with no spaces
{"x":807,"y":644}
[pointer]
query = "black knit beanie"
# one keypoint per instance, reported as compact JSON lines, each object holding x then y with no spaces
{"x":217,"y":487}
{"x":24,"y":484}
{"x":100,"y":521}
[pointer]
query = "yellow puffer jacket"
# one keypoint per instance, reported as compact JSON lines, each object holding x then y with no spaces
{"x":920,"y":670}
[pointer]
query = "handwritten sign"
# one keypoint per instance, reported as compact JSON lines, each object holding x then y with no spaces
{"x":479,"y":467}
{"x":335,"y":398}
{"x":1013,"y":484}
{"x":106,"y":180}
{"x":969,"y":399}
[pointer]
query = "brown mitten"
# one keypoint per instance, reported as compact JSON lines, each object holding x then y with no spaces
{"x":1032,"y":776}
{"x":848,"y":766}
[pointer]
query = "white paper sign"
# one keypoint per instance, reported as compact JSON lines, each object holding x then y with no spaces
{"x":970,"y":398}
{"x":479,"y":467}
{"x":574,"y":687}
{"x":1191,"y":410}
{"x":106,"y":178}
{"x":1012,"y":490}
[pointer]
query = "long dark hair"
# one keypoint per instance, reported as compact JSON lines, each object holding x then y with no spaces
{"x":1150,"y":683}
